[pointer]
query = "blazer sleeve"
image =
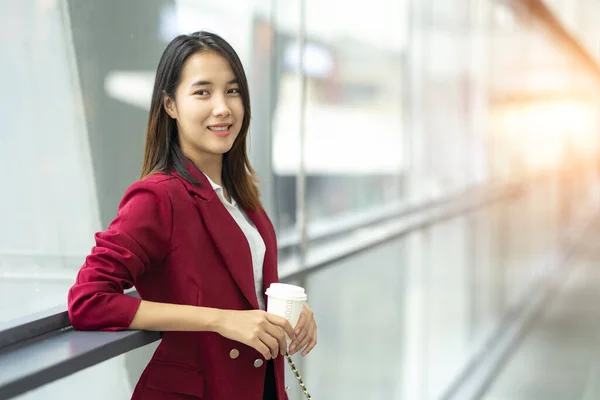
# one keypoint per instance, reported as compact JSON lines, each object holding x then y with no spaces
{"x":135,"y":241}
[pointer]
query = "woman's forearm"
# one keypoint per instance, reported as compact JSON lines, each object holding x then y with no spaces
{"x":153,"y":316}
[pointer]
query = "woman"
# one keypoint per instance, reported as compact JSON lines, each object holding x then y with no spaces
{"x":192,"y":236}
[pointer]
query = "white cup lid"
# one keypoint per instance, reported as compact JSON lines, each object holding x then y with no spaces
{"x":285,"y":291}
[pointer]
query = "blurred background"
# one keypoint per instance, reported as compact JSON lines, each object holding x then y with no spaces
{"x":431,"y":167}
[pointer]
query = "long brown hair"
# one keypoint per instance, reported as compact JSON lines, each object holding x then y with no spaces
{"x":163,"y":152}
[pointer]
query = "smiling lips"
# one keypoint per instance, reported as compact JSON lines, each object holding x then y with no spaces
{"x":220,"y":129}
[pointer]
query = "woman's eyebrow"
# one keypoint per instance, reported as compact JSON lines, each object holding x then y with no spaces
{"x":205,"y":83}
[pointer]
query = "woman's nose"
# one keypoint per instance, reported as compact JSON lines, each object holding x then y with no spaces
{"x":221,"y":109}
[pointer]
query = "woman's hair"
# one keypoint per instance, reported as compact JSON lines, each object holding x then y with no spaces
{"x":163,"y":152}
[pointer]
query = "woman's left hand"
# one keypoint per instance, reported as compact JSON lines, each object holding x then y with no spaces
{"x":306,"y":332}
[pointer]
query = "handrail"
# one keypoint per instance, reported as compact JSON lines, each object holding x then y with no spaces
{"x":321,"y":230}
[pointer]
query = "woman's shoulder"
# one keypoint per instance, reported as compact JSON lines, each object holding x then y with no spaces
{"x":157,"y":185}
{"x":158,"y":181}
{"x":155,"y":179}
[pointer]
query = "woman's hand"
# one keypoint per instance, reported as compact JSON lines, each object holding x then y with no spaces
{"x":262,"y":331}
{"x":306,"y":332}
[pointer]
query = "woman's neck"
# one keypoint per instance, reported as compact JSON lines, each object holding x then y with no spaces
{"x":211,"y":165}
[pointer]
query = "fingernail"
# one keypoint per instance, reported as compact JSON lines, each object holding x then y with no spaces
{"x":298,"y":331}
{"x":292,"y":347}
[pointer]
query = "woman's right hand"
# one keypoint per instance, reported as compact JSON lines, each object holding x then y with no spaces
{"x":256,"y":328}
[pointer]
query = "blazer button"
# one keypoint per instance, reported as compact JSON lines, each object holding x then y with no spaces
{"x":258,"y":363}
{"x":234,"y":353}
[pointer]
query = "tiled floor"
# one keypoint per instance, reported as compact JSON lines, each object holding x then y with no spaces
{"x":559,"y":359}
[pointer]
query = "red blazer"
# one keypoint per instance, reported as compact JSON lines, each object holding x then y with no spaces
{"x":178,"y":244}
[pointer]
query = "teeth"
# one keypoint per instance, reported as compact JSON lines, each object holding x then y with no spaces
{"x":218,"y":128}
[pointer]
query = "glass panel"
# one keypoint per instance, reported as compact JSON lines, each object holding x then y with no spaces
{"x":532,"y":239}
{"x":286,"y":113}
{"x":353,"y":128}
{"x":447,"y":86}
{"x":488,"y":242}
{"x":359,"y":307}
{"x":518,"y":249}
{"x":49,"y":209}
{"x":449,"y":300}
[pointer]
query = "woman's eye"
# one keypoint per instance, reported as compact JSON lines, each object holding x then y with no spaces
{"x":234,"y":91}
{"x":201,"y":92}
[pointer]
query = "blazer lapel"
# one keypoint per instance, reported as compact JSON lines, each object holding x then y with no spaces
{"x":232,"y":244}
{"x":229,"y":239}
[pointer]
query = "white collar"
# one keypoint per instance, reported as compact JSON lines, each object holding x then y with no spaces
{"x":219,"y":190}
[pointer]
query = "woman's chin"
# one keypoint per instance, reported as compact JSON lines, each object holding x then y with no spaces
{"x":221,"y":150}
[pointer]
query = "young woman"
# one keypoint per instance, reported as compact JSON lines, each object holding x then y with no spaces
{"x":193,"y":238}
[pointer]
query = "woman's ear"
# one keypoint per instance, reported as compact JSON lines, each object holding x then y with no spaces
{"x":169,"y":105}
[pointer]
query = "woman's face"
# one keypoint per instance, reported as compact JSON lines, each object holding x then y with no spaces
{"x":208,"y":107}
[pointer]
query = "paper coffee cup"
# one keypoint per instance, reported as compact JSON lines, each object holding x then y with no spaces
{"x":286,"y":301}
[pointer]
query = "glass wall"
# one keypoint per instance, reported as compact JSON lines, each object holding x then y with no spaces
{"x":358,"y":111}
{"x":49,"y":208}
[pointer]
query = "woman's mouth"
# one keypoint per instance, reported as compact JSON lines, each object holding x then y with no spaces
{"x":220,"y":130}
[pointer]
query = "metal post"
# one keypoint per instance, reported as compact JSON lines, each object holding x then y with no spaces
{"x":301,"y":217}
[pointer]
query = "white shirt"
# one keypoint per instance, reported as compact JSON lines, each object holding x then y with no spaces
{"x":255,"y":241}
